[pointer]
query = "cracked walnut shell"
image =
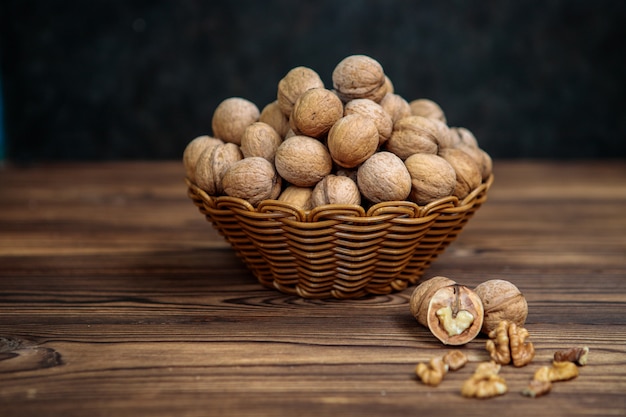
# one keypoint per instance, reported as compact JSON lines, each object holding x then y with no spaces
{"x":452,"y":312}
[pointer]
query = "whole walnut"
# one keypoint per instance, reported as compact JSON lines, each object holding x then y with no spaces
{"x":295,"y":83}
{"x":465,"y":140}
{"x":375,"y":112}
{"x":303,"y":161}
{"x":413,"y":134}
{"x":432,"y":177}
{"x":273,"y":116}
{"x":260,"y":139}
{"x":192,"y":153}
{"x":315,"y":112}
{"x":468,"y":173}
{"x":297,"y":196}
{"x":253,"y":179}
{"x":212,"y":165}
{"x":335,"y":189}
{"x":231,"y":117}
{"x":352,"y":140}
{"x":359,"y":76}
{"x":396,"y":106}
{"x":384,"y":177}
{"x":427,"y":108}
{"x":502,"y":300}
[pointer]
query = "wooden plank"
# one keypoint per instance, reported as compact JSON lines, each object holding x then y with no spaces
{"x":118,"y":298}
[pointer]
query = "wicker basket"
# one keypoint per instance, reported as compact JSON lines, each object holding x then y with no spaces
{"x":338,"y":251}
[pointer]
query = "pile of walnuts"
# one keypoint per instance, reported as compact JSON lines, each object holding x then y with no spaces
{"x":359,"y":143}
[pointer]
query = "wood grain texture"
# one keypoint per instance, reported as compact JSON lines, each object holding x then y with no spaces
{"x":118,"y":298}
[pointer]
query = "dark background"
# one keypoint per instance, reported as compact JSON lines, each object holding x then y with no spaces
{"x":119,"y":79}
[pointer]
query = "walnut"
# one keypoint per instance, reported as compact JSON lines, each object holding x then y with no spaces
{"x":484,"y":383}
{"x":192,"y":153}
{"x":455,"y":359}
{"x":384,"y":177}
{"x":452,"y":312}
{"x":303,"y":161}
{"x":502,"y":300}
{"x":260,"y":139}
{"x":212,"y":165}
{"x":468,"y":174}
{"x":463,"y":139}
{"x":507,"y":343}
{"x":396,"y":106}
{"x":273,"y":116}
{"x":359,"y":76}
{"x":432,"y":177}
{"x":297,"y":196}
{"x":352,"y":140}
{"x":375,"y":112}
{"x":253,"y":179}
{"x":559,"y":371}
{"x":334,"y":189}
{"x":427,"y":108}
{"x":315,"y":112}
{"x":537,"y":388}
{"x":293,"y":84}
{"x":231,"y":117}
{"x":413,"y":134}
{"x":578,"y":355}
{"x":432,"y":373}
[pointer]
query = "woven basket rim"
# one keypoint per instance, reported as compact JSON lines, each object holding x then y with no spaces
{"x":377,"y":212}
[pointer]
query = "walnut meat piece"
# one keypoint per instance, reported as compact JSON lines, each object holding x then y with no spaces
{"x":484,"y":383}
{"x":433,"y":372}
{"x":315,"y":112}
{"x":212,"y":165}
{"x":452,"y":312}
{"x":413,"y":134}
{"x":559,"y":371}
{"x":192,"y":153}
{"x":502,"y":300}
{"x":507,"y":344}
{"x":384,"y":177}
{"x":359,"y":76}
{"x":352,"y":140}
{"x":468,"y":173}
{"x":231,"y":117}
{"x":260,"y":139}
{"x":455,"y":359}
{"x":303,"y":161}
{"x":334,"y":189}
{"x":252,"y":179}
{"x":432,"y":177}
{"x":373,"y":111}
{"x":578,"y":355}
{"x":295,"y":83}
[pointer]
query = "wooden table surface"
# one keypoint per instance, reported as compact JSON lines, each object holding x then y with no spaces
{"x":118,"y":298}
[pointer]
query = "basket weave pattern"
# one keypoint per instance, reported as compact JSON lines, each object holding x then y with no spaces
{"x":338,"y":251}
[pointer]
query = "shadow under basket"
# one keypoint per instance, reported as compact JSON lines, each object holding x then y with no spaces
{"x":338,"y":251}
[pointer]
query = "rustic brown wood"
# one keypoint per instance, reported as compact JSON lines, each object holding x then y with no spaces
{"x":117,"y":298}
